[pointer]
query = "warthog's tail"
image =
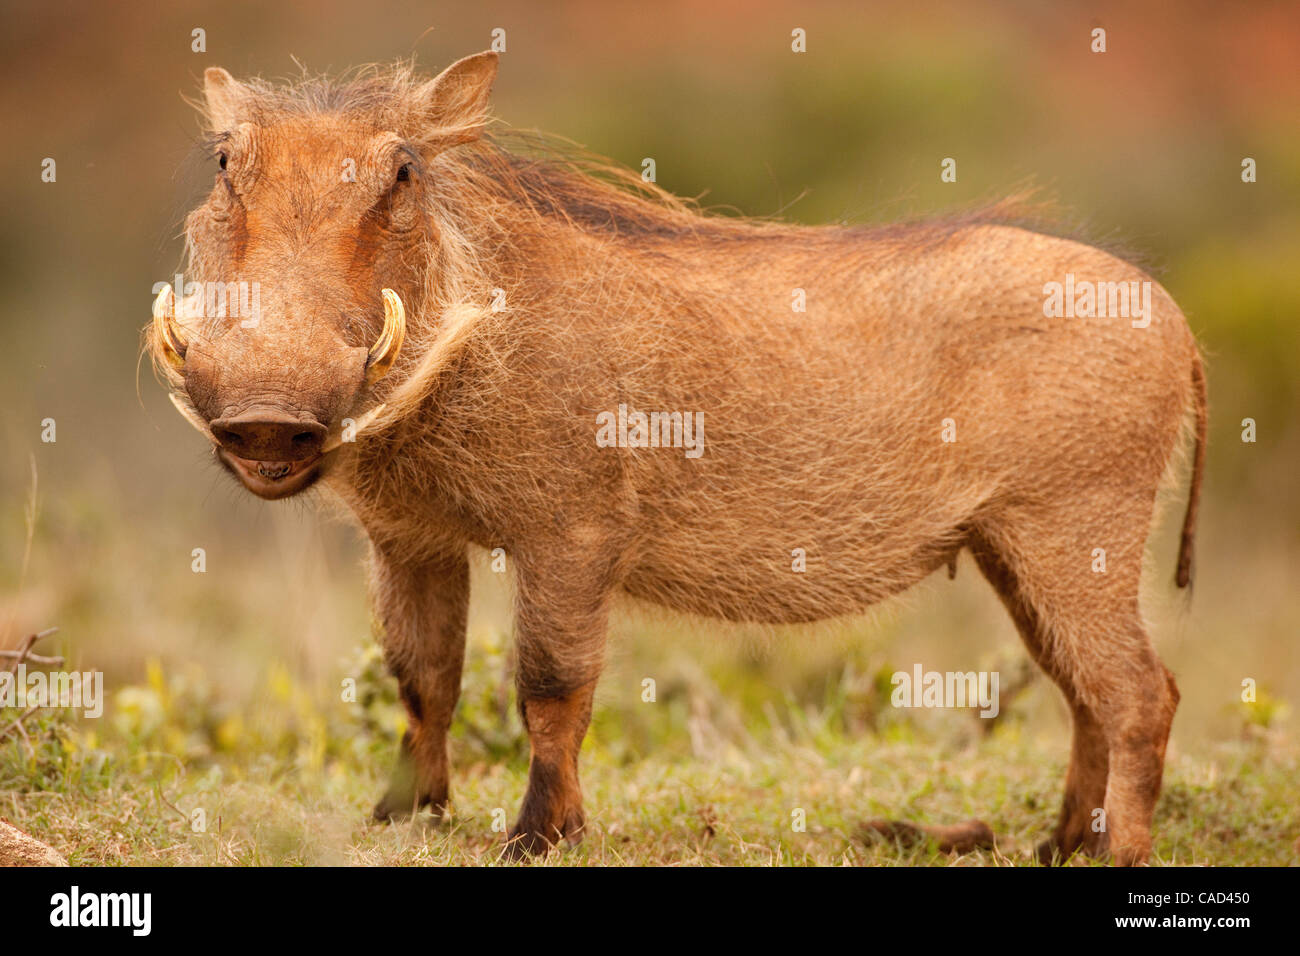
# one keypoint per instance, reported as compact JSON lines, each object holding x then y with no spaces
{"x":1183,"y":576}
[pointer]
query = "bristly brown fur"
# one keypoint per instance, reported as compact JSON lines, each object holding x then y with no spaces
{"x":544,"y":288}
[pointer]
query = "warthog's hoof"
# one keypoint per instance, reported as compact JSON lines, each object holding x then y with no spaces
{"x":397,"y":806}
{"x":524,"y":842}
{"x":958,"y":838}
{"x":1137,"y":853}
{"x":1057,"y":851}
{"x":386,"y":812}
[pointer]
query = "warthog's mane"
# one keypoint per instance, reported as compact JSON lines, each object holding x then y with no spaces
{"x":485,"y":195}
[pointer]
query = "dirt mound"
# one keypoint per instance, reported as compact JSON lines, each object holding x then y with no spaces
{"x":19,"y":849}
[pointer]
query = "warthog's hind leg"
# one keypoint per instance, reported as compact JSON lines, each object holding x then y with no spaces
{"x":1085,"y":782}
{"x":1069,"y":578}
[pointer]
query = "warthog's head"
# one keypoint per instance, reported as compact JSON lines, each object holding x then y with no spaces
{"x":314,"y":234}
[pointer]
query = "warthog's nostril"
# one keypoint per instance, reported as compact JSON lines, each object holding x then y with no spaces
{"x":228,"y":438}
{"x":270,"y":435}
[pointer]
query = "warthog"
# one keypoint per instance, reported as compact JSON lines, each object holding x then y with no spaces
{"x":460,"y":340}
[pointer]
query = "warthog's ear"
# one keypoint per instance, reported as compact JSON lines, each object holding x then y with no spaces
{"x":454,"y":103}
{"x":225,"y":97}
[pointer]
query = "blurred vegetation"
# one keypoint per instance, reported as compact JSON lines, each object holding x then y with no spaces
{"x":228,"y":682}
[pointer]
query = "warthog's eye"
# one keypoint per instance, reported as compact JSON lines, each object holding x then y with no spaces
{"x":404,"y":172}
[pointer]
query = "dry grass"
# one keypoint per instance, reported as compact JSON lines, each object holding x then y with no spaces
{"x":1233,"y":808}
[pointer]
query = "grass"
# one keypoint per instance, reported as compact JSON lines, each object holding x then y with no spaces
{"x":172,"y":779}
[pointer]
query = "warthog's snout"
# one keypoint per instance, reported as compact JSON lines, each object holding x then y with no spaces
{"x":270,"y":435}
{"x":276,"y":446}
{"x":272,"y":452}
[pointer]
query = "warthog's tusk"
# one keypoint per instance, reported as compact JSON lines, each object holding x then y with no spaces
{"x":384,"y":353}
{"x":190,"y":414}
{"x":164,"y":317}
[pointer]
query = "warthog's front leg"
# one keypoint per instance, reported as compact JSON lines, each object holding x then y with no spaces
{"x":422,"y":609}
{"x":560,"y":643}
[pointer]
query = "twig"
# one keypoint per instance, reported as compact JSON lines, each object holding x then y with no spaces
{"x":159,"y":794}
{"x":22,"y":732}
{"x":23,"y":653}
{"x":26,"y":646}
{"x":18,"y":724}
{"x":34,"y":658}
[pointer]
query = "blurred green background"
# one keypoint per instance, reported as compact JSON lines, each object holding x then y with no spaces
{"x":1142,"y":144}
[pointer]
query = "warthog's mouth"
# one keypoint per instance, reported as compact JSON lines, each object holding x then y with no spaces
{"x":272,"y":479}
